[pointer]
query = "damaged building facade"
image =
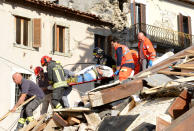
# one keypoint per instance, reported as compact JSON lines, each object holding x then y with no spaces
{"x":168,"y":24}
{"x":31,"y":29}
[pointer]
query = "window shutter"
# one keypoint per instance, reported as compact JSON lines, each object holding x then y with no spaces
{"x":109,"y":45}
{"x":190,"y":29}
{"x":143,"y":18}
{"x":180,"y":23}
{"x":180,"y":29}
{"x":67,"y":38}
{"x":54,"y":38}
{"x":133,"y":13}
{"x":36,"y":33}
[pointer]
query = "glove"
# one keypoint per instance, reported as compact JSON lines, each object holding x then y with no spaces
{"x":150,"y":63}
{"x":116,"y":72}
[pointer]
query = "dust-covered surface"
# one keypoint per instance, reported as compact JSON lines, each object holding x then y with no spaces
{"x":149,"y":110}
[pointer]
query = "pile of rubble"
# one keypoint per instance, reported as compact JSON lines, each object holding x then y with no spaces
{"x":160,"y":98}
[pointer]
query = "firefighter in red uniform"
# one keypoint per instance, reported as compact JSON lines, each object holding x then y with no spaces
{"x":57,"y":79}
{"x":146,"y":51}
{"x":125,"y":64}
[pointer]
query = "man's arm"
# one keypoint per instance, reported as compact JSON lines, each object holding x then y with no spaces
{"x":151,"y":50}
{"x":119,"y":57}
{"x":20,"y":101}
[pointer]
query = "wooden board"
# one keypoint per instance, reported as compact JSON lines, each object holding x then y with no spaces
{"x":180,"y":105}
{"x":51,"y":125}
{"x":176,"y":73}
{"x":39,"y":123}
{"x":57,"y":118}
{"x":166,"y":62}
{"x":72,"y":121}
{"x":93,"y":119}
{"x":161,"y":124}
{"x":183,"y":123}
{"x":73,"y":109}
{"x":115,"y":93}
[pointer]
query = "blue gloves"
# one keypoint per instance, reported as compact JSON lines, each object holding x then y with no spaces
{"x":150,"y":63}
{"x":116,"y":72}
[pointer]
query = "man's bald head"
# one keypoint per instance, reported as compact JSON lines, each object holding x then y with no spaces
{"x":17,"y":78}
{"x":141,"y":36}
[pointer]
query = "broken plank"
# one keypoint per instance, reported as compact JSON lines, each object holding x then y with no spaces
{"x":73,"y":121}
{"x":180,"y":67}
{"x":31,"y":125}
{"x":180,"y":105}
{"x":176,"y":73}
{"x":51,"y":125}
{"x":60,"y":120}
{"x":73,"y":109}
{"x":161,"y":124}
{"x":93,"y":119}
{"x":183,"y":123}
{"x":129,"y":107}
{"x":41,"y":127}
{"x":166,"y":62}
{"x":39,"y":123}
{"x":115,"y":93}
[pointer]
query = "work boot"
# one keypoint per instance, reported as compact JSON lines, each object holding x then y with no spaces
{"x":19,"y":126}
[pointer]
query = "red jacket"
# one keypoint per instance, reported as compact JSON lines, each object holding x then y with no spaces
{"x":148,"y":49}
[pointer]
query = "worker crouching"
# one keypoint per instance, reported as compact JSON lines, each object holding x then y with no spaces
{"x":125,"y":63}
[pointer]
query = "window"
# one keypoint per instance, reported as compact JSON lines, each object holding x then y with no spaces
{"x":61,"y":40}
{"x":17,"y":90}
{"x":99,"y":41}
{"x":22,"y":31}
{"x":28,"y":32}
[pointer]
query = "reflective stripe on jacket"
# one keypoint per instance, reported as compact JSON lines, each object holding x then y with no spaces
{"x":148,"y":49}
{"x":126,"y":54}
{"x":56,"y":74}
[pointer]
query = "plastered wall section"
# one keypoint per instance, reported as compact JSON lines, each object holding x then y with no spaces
{"x":164,"y":13}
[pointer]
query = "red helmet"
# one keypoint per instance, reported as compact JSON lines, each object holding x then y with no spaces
{"x":45,"y":59}
{"x":37,"y":70}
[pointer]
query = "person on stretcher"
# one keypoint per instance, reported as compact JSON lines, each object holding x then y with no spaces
{"x":91,"y":73}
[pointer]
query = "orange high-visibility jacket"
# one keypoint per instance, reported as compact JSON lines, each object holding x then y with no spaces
{"x":148,"y":49}
{"x":126,"y":54}
{"x":135,"y":56}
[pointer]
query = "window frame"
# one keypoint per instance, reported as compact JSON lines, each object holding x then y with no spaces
{"x":32,"y":31}
{"x":66,"y":39}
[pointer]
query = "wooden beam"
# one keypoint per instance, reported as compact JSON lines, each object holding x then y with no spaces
{"x":42,"y":118}
{"x":30,"y":126}
{"x":73,"y":109}
{"x":115,"y":93}
{"x":180,"y":105}
{"x":72,"y":121}
{"x":161,"y":124}
{"x":25,"y":102}
{"x":166,"y":62}
{"x":51,"y":125}
{"x":183,"y":123}
{"x":176,"y":73}
{"x":93,"y":119}
{"x":60,"y":120}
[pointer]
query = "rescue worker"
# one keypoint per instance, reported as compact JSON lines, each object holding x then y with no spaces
{"x":42,"y":81}
{"x":125,"y":64}
{"x":135,"y":59}
{"x":103,"y":59}
{"x":28,"y":89}
{"x":146,"y":51}
{"x":57,"y":79}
